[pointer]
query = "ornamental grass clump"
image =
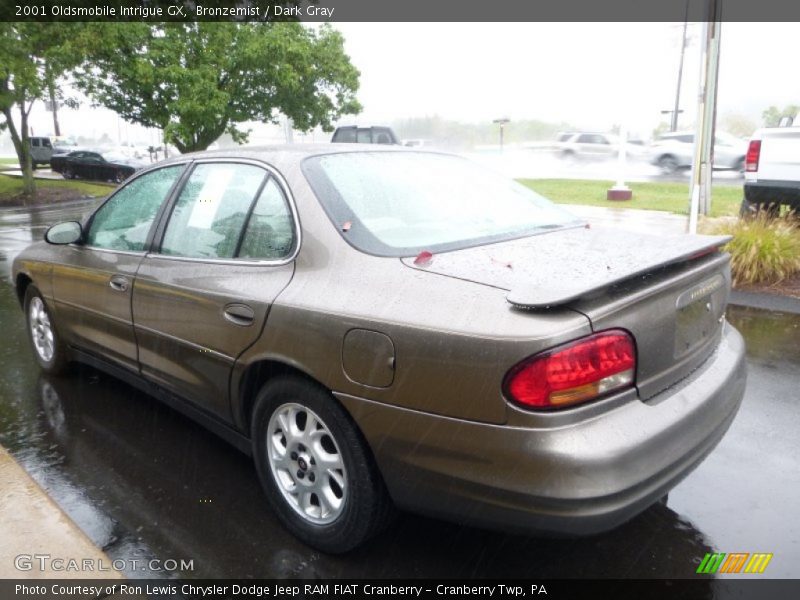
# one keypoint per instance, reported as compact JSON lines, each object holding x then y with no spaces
{"x":763,"y":250}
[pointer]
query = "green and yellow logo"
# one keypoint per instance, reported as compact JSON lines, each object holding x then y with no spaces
{"x":735,"y":562}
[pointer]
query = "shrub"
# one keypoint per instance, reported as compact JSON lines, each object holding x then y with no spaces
{"x":763,"y":250}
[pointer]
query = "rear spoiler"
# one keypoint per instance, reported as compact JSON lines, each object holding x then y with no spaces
{"x":555,"y":293}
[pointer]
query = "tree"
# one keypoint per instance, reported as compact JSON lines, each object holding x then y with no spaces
{"x":196,"y":81}
{"x":773,"y":115}
{"x":34,"y":56}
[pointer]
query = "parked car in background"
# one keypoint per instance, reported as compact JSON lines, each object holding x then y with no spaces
{"x":383,"y":327}
{"x":41,"y":150}
{"x":675,"y":151}
{"x":96,"y":164}
{"x":364,"y":135}
{"x":772,"y":169}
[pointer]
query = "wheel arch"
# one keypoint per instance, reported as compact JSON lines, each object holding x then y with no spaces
{"x":21,"y":283}
{"x":255,"y":375}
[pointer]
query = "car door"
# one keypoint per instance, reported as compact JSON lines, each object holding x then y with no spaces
{"x":91,"y":166}
{"x":226,"y":252}
{"x":92,"y":284}
{"x":35,"y":150}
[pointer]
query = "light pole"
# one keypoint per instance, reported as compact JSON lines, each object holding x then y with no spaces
{"x":673,"y":116}
{"x":502,"y":122}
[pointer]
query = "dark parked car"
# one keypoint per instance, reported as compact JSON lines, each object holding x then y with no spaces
{"x":364,"y":135}
{"x":377,"y":334}
{"x":96,"y":164}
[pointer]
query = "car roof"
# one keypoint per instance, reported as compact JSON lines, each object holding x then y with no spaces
{"x":290,"y":153}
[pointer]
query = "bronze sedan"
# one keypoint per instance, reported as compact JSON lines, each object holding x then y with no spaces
{"x":388,"y":328}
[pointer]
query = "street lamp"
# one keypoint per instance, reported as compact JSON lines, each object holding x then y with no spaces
{"x":502,"y":122}
{"x":673,"y":120}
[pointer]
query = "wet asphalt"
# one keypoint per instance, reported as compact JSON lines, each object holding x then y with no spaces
{"x":145,"y":482}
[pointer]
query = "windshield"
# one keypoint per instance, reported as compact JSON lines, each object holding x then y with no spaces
{"x":401,"y":203}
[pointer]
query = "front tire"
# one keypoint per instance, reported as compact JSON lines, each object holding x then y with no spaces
{"x":50,"y":352}
{"x":67,"y":173}
{"x":315,"y":467}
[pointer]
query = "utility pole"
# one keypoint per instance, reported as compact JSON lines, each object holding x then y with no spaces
{"x":676,"y":110}
{"x":702,"y":163}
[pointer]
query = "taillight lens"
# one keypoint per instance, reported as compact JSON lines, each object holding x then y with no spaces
{"x":753,"y":155}
{"x":574,"y":373}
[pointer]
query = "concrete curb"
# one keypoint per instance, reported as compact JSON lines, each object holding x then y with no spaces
{"x":33,"y":524}
{"x":772,"y":302}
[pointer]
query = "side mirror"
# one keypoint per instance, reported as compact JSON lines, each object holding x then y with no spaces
{"x":68,"y":232}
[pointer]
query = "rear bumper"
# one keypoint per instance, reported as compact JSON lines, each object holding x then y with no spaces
{"x":575,"y":480}
{"x":764,"y":192}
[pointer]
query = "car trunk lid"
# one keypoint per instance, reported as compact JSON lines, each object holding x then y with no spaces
{"x":670,"y":292}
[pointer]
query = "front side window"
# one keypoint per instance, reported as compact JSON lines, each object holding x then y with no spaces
{"x":210,"y":214}
{"x":124,"y":221}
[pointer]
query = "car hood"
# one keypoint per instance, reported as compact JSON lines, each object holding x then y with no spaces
{"x":559,"y":266}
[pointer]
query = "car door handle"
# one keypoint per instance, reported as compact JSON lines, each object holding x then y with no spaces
{"x":239,"y":314}
{"x":119,"y":283}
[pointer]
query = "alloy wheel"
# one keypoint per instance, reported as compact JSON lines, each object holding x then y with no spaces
{"x":41,"y":330}
{"x":306,"y":464}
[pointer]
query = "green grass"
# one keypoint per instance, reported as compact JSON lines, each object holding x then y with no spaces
{"x":8,"y":161}
{"x":12,"y":186}
{"x":670,"y":197}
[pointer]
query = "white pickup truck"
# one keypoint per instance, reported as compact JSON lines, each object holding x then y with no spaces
{"x":772,"y":168}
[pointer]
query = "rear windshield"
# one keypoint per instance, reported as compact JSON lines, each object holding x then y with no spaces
{"x":401,"y":203}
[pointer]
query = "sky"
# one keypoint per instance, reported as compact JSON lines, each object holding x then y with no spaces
{"x":591,"y":75}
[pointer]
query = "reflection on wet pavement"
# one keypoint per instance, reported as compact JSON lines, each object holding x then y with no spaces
{"x":143,"y":481}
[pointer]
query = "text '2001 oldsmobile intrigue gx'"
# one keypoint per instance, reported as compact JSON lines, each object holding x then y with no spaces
{"x":385,"y":328}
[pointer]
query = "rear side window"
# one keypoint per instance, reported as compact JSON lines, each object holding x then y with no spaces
{"x":227,"y":211}
{"x":124,"y":221}
{"x":269,"y":232}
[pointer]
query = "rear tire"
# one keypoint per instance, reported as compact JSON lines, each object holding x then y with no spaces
{"x":668,"y":164}
{"x":750,"y":210}
{"x":315,"y":467}
{"x":119,"y":177}
{"x":67,"y":173}
{"x":48,"y":349}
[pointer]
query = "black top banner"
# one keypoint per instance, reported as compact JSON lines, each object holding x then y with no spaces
{"x":401,"y":10}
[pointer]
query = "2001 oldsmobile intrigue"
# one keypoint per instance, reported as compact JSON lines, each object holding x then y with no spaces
{"x":383,"y":328}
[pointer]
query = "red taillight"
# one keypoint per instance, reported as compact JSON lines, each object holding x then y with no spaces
{"x":753,"y":154}
{"x":575,"y":372}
